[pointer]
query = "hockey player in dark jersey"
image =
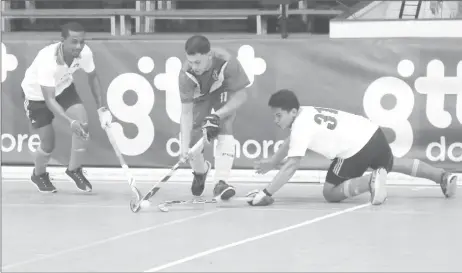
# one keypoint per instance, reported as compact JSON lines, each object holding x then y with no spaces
{"x":210,"y":79}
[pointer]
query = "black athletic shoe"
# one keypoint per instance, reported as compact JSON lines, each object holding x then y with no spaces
{"x":42,"y":182}
{"x":198,"y":184}
{"x":80,"y":180}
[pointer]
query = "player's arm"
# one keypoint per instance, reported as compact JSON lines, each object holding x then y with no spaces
{"x":265,"y":165}
{"x":50,"y":100}
{"x":186,"y":87}
{"x":88,"y":65}
{"x":286,"y":172}
{"x":297,"y":145}
{"x":237,"y":81}
{"x":46,"y":80}
{"x":281,"y":153}
{"x":264,"y":197}
{"x":95,"y":87}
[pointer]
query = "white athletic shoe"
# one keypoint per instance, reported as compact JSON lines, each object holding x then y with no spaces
{"x":378,"y":186}
{"x":449,"y":184}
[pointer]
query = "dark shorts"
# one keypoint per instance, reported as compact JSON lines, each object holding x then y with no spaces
{"x":38,"y":113}
{"x":203,"y":108}
{"x":375,"y":154}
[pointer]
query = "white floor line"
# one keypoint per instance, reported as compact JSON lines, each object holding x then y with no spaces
{"x":110,"y":239}
{"x":254,"y":238}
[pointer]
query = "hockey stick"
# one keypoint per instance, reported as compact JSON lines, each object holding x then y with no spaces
{"x":128,"y":174}
{"x":135,"y":205}
{"x":164,"y":205}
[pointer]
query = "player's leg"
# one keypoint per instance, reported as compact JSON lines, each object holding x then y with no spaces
{"x":225,"y":149}
{"x":381,"y":162}
{"x":417,"y":168}
{"x":224,"y":158}
{"x":344,"y":180}
{"x":72,"y":104}
{"x":345,"y":177}
{"x":41,"y":118}
{"x":197,"y":161}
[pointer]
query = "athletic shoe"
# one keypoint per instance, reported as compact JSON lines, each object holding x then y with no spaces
{"x":198,"y":184}
{"x":80,"y":180}
{"x":42,"y":182}
{"x":448,"y":184}
{"x":377,"y":186}
{"x":223,"y":190}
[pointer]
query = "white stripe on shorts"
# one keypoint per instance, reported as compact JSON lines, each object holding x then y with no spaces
{"x":338,"y":166}
{"x":26,"y":104}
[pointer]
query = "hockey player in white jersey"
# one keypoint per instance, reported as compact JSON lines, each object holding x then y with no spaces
{"x":49,"y":92}
{"x":352,"y":142}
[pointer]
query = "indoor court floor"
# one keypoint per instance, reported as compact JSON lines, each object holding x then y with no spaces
{"x":417,"y":229}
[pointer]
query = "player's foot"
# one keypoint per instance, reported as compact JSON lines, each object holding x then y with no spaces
{"x":378,"y":186}
{"x":42,"y":182}
{"x":223,"y":191}
{"x":80,"y":180}
{"x":198,"y":184}
{"x":449,"y":184}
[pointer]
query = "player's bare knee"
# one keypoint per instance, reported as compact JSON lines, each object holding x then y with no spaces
{"x":227,"y":125}
{"x":47,"y":146}
{"x":330,"y":197}
{"x":330,"y":194}
{"x":47,"y":138}
{"x":78,"y":112}
{"x":47,"y":143}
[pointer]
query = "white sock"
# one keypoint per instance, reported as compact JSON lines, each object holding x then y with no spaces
{"x":224,"y":157}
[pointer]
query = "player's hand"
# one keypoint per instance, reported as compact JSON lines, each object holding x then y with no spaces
{"x":80,"y":129}
{"x":105,"y":117}
{"x":211,"y":127}
{"x":264,"y":165}
{"x":259,"y":198}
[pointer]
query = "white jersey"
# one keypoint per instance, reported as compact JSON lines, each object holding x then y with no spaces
{"x":45,"y":70}
{"x":329,"y":132}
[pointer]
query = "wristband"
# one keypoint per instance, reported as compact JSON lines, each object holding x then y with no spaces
{"x":266,"y":192}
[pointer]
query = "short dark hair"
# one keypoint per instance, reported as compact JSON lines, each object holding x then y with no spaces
{"x":71,"y":26}
{"x":197,"y":44}
{"x":284,"y":99}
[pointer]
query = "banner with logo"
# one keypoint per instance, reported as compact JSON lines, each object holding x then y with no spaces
{"x":410,"y":87}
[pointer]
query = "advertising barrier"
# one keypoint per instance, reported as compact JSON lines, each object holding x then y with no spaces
{"x":410,"y":87}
